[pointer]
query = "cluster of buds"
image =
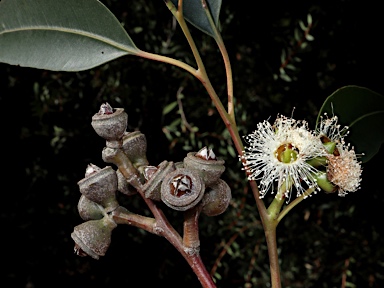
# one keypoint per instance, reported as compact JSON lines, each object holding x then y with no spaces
{"x":97,"y":201}
{"x":181,"y":186}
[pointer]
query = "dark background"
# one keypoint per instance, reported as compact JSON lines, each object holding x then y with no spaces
{"x":47,"y":142}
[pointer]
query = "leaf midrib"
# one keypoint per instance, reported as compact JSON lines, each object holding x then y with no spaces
{"x":76,"y":32}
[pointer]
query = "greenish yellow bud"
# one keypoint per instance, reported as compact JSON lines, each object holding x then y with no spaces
{"x":330,"y":147}
{"x":317,"y":162}
{"x":324,"y":183}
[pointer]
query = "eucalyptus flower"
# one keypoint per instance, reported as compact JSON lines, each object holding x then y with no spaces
{"x":279,"y":153}
{"x":342,"y":169}
{"x":330,"y":129}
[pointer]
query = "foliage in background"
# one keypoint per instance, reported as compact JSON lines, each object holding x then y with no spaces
{"x":53,"y":143}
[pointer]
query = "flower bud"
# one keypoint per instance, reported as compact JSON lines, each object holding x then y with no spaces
{"x":324,"y":183}
{"x":318,"y":161}
{"x":89,"y":210}
{"x":205,"y":164}
{"x":155,"y":176}
{"x":135,"y":147}
{"x":216,"y":199}
{"x":182,"y":189}
{"x":123,"y":186}
{"x":110,"y":126}
{"x":93,"y":237}
{"x":100,"y":187}
{"x":330,"y":147}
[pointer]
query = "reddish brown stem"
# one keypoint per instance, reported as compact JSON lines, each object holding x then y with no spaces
{"x":270,"y":234}
{"x":162,"y":227}
{"x":252,"y":263}
{"x":228,"y":244}
{"x":191,"y":255}
{"x":299,"y":43}
{"x":191,"y":228}
{"x":123,"y":216}
{"x":201,"y":272}
{"x":344,"y":274}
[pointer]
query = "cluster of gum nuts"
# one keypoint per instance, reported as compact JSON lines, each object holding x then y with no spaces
{"x":180,"y":185}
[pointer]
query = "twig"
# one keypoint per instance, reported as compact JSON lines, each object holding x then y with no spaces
{"x":344,"y":274}
{"x":228,"y":244}
{"x":252,"y":264}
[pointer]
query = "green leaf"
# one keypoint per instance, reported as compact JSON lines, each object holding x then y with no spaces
{"x":309,"y":37}
{"x":194,"y":13}
{"x":302,"y":25}
{"x":362,"y":110}
{"x":231,"y":151}
{"x":296,"y":35}
{"x":70,"y":35}
{"x":169,"y":107}
{"x":367,"y":134}
{"x":309,"y":19}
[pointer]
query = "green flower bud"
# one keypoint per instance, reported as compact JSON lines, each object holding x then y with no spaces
{"x":330,"y":147}
{"x":324,"y":183}
{"x":318,"y":162}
